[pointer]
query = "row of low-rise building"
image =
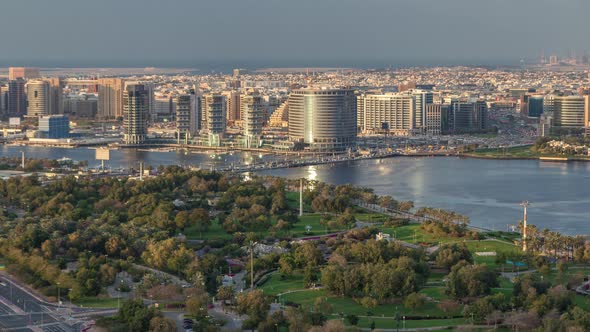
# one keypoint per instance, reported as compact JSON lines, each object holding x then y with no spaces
{"x":414,"y":112}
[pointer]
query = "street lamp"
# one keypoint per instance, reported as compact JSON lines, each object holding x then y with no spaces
{"x":119,"y":295}
{"x":252,"y":244}
{"x":58,"y":297}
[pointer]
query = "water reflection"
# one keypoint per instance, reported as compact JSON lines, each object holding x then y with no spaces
{"x":312,"y":173}
{"x":487,"y":191}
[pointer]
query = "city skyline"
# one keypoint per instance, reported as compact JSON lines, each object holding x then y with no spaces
{"x":302,"y":33}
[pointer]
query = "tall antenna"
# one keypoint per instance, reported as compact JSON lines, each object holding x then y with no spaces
{"x":525,"y":205}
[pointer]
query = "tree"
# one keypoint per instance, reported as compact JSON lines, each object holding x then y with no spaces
{"x":405,"y":206}
{"x":182,"y":220}
{"x":387,"y":202}
{"x":309,"y":276}
{"x":450,"y":255}
{"x":272,"y":322}
{"x":197,"y":302}
{"x":346,"y":219}
{"x":297,"y":319}
{"x":329,"y":326}
{"x":135,"y":315}
{"x":523,"y":321}
{"x":414,"y":301}
{"x":322,"y":306}
{"x":352,"y":319}
{"x":308,"y":254}
{"x":479,"y":310}
{"x":200,"y":219}
{"x":225,"y":293}
{"x":560,"y":297}
{"x":162,"y":324}
{"x":254,"y":304}
{"x":561,"y":266}
{"x":470,"y":280}
{"x":369,"y":302}
{"x":286,"y":264}
{"x":580,"y":316}
{"x":448,"y":307}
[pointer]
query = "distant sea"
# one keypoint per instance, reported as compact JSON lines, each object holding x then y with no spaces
{"x":226,"y":66}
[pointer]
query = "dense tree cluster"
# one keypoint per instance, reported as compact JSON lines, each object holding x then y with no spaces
{"x":251,"y":205}
{"x":567,"y":145}
{"x":444,"y":223}
{"x":449,"y":255}
{"x":466,"y":280}
{"x":66,"y":218}
{"x":381,"y":271}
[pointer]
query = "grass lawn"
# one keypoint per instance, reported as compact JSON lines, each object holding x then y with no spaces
{"x":312,"y":220}
{"x":519,"y":152}
{"x":514,"y":152}
{"x":505,"y":283}
{"x":349,"y":306}
{"x":562,"y":278}
{"x":436,"y":278}
{"x":390,"y":323}
{"x":275,"y":285}
{"x":414,"y":234}
{"x":371,"y":217}
{"x":436,"y":293}
{"x":383,"y":315}
{"x":293,"y":201}
{"x":492,"y":245}
{"x":582,"y":301}
{"x":215,"y":232}
{"x":94,"y":302}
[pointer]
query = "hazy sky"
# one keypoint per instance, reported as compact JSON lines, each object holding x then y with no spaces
{"x":301,"y":31}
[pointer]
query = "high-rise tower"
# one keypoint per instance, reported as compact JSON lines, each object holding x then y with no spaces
{"x":323,"y":119}
{"x":38,"y":98}
{"x":110,"y":98}
{"x":135,"y":112}
{"x":17,"y":103}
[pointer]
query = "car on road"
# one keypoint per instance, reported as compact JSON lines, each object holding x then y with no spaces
{"x":187,"y":323}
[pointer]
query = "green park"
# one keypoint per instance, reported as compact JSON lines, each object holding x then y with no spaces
{"x":192,"y":242}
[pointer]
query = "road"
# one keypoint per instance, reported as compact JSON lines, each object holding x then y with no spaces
{"x":21,"y":310}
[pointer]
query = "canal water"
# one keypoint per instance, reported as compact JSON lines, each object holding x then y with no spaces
{"x":130,"y":158}
{"x":488,"y":191}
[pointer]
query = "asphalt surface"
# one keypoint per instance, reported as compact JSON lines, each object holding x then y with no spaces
{"x":22,"y":311}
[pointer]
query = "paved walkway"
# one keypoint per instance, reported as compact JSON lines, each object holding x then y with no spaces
{"x":167,"y":275}
{"x":233,"y":320}
{"x":512,"y":275}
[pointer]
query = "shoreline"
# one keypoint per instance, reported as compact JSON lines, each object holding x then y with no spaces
{"x":540,"y":158}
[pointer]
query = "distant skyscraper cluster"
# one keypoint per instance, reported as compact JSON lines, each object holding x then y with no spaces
{"x":290,"y":110}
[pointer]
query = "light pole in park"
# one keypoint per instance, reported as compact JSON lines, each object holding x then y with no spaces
{"x":252,"y":244}
{"x":525,"y":205}
{"x":58,"y":297}
{"x":300,"y":197}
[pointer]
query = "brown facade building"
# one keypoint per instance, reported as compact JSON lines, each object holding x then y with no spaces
{"x":23,"y":72}
{"x":110,"y":98}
